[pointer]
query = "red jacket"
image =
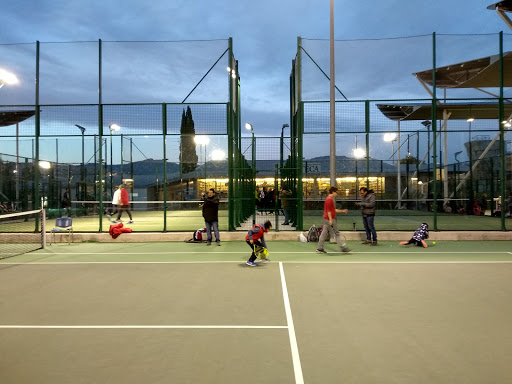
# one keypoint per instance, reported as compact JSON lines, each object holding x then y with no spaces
{"x":329,"y":207}
{"x":125,"y":199}
{"x":257,"y":232}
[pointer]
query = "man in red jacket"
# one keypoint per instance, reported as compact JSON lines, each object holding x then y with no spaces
{"x":125,"y":204}
{"x":330,"y":226}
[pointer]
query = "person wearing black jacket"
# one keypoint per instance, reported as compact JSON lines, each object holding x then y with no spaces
{"x":211,"y":216}
{"x":367,"y":206}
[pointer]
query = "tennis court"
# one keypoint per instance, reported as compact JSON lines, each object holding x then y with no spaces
{"x":187,"y":313}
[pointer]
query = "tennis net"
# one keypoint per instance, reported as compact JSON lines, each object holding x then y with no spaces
{"x":22,"y":232}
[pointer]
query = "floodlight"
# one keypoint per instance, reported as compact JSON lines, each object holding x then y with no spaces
{"x":201,"y":139}
{"x":359,"y":153}
{"x":390,"y":137}
{"x":218,"y":155}
{"x":7,"y":77}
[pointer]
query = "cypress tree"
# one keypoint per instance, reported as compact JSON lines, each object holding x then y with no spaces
{"x":188,"y":155}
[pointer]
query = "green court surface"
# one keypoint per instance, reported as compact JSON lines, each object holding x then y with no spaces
{"x":187,"y":313}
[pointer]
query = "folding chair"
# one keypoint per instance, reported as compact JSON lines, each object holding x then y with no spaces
{"x":62,"y":225}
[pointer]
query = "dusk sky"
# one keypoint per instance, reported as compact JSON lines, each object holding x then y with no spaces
{"x":264,"y":42}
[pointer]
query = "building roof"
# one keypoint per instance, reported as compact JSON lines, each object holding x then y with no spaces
{"x":505,"y":6}
{"x":463,"y":111}
{"x":477,"y":73}
{"x":14,"y":117}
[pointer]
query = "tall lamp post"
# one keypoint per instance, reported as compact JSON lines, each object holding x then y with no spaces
{"x":112,"y":128}
{"x":203,"y":140}
{"x":253,"y":156}
{"x":358,"y":153}
{"x":9,"y":78}
{"x":391,"y":137}
{"x":82,"y":169}
{"x":282,"y":141}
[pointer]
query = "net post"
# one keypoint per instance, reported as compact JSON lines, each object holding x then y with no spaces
{"x":43,"y":228}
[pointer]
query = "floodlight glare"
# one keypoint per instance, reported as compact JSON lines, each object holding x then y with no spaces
{"x":248,"y":126}
{"x":45,"y":164}
{"x":218,"y":155}
{"x":470,"y":120}
{"x":359,"y":153}
{"x":7,"y":77}
{"x":114,"y":127}
{"x":201,"y":139}
{"x":390,"y":137}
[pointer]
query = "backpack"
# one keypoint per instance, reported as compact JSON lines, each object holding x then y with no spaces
{"x":313,"y":234}
{"x":197,"y":236}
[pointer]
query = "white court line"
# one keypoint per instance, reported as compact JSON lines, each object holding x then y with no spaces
{"x":142,"y":327}
{"x":297,"y":369}
{"x":244,"y":252}
{"x":242,"y":262}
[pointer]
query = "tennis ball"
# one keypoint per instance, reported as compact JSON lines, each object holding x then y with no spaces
{"x":434,"y":242}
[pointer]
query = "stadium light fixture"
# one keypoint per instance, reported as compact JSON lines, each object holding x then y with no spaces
{"x":391,"y":137}
{"x":112,"y":128}
{"x":201,"y":139}
{"x":359,"y":153}
{"x":253,"y":164}
{"x":7,"y":77}
{"x":45,"y":164}
{"x":218,"y":155}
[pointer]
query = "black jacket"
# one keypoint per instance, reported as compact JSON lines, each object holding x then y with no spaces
{"x":211,"y":209}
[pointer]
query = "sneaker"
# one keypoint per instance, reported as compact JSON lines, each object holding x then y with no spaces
{"x":208,"y":243}
{"x":130,"y":222}
{"x":265,"y":260}
{"x":286,"y":224}
{"x":366,"y":242}
{"x":374,"y":243}
{"x":346,"y":249}
{"x":321,"y":250}
{"x":218,"y":244}
{"x":251,"y":263}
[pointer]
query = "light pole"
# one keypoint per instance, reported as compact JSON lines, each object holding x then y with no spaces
{"x":470,"y":120}
{"x":358,"y":153}
{"x":391,"y":137}
{"x":82,"y":170}
{"x":253,"y":156}
{"x":203,"y":140}
{"x":9,"y":78}
{"x":282,"y":140}
{"x":427,"y":124}
{"x":112,"y":128}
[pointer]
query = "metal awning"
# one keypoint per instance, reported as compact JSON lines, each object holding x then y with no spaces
{"x":505,"y":5}
{"x":14,"y":117}
{"x":400,"y":112}
{"x":478,"y":73}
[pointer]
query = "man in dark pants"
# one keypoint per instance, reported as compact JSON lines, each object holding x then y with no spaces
{"x":367,"y":205}
{"x":211,"y":216}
